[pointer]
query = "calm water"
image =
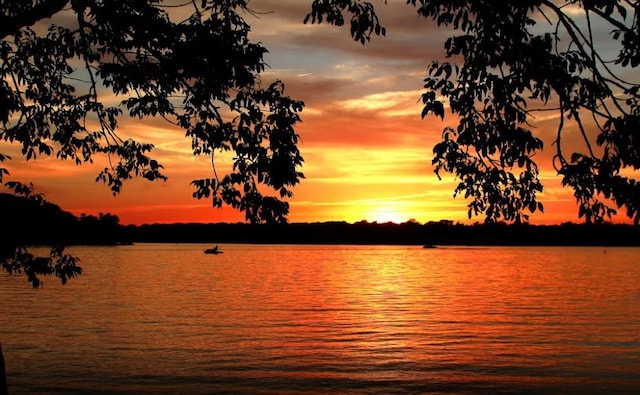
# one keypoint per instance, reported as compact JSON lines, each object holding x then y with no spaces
{"x":165,"y":318}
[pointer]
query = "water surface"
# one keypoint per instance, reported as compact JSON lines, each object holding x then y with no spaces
{"x":167,"y":318}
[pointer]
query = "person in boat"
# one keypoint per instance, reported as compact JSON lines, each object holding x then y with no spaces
{"x":213,"y":250}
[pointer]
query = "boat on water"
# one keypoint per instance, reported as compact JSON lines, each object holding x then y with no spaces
{"x":429,"y":246}
{"x":214,"y":250}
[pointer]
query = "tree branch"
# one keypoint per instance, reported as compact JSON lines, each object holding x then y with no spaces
{"x":9,"y":24}
{"x":609,"y":19}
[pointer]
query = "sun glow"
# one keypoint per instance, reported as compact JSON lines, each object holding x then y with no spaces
{"x":387,"y":214}
{"x":368,"y":152}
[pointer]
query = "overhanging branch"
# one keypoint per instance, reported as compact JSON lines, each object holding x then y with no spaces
{"x":9,"y":24}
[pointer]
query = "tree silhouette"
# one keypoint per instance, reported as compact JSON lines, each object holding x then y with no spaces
{"x":510,"y":60}
{"x":507,"y":62}
{"x":31,"y":220}
{"x":199,"y":72}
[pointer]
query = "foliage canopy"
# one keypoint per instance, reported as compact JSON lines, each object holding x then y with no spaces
{"x":507,"y":61}
{"x":200,"y":72}
{"x":192,"y":63}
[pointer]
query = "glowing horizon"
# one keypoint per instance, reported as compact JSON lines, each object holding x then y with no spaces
{"x":367,"y":151}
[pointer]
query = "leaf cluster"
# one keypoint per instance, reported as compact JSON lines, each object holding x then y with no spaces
{"x":60,"y":265}
{"x":501,"y":68}
{"x":201,"y":74}
{"x":25,"y":217}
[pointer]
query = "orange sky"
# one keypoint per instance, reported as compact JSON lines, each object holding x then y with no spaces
{"x":367,"y":151}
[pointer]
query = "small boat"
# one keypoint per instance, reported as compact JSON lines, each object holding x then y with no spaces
{"x":214,"y":250}
{"x":429,"y":246}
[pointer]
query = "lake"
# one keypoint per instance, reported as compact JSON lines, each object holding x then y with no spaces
{"x":306,"y":319}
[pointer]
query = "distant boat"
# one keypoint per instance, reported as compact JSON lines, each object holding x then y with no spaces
{"x":214,"y":250}
{"x":429,"y":246}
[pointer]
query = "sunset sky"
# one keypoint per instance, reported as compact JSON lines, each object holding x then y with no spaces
{"x":367,"y":151}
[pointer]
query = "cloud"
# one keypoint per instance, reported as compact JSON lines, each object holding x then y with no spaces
{"x":367,"y":150}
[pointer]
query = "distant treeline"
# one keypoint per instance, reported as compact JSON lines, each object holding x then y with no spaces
{"x":408,"y":233}
{"x":31,"y":223}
